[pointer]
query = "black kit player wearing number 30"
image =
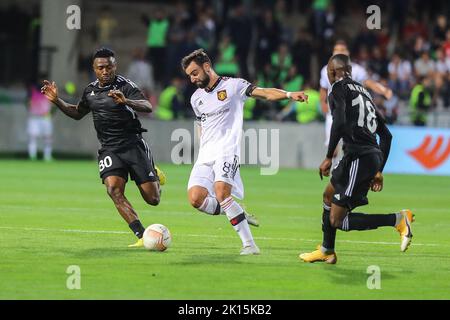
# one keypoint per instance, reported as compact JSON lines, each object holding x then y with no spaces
{"x":114,"y":102}
{"x":356,"y":121}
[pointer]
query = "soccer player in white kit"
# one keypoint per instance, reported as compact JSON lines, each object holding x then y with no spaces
{"x":218,"y":105}
{"x":39,"y":124}
{"x":359,"y":74}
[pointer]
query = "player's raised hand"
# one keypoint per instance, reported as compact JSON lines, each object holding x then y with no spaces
{"x":118,"y":96}
{"x":388,"y":94}
{"x":324,"y":169}
{"x":377,"y":183}
{"x":299,"y":96}
{"x":50,"y":90}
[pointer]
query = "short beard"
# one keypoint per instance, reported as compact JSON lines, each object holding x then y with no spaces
{"x":204,"y":83}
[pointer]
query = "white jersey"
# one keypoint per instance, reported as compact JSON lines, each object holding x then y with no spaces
{"x":220,"y":114}
{"x":359,"y":74}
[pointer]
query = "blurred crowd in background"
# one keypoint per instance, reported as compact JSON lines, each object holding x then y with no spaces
{"x":285,"y":43}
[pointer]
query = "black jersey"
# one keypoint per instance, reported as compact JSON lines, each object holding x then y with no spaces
{"x":357,"y":121}
{"x":117,"y":126}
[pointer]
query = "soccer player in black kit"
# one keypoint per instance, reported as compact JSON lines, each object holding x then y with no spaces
{"x":114,"y":101}
{"x":357,"y":121}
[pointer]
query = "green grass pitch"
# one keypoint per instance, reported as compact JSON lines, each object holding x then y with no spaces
{"x":53,"y":215}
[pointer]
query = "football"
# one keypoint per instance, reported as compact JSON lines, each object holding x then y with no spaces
{"x":157,"y":237}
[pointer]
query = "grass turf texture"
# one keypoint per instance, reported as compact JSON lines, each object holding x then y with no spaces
{"x":53,"y":215}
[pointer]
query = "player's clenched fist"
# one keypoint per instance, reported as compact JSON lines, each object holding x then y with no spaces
{"x":324,"y":169}
{"x":118,"y":96}
{"x":377,"y":183}
{"x":50,"y":90}
{"x":299,"y":96}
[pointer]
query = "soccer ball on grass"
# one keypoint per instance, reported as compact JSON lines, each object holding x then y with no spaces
{"x":157,"y":237}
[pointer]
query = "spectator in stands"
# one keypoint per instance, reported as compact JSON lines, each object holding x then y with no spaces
{"x":227,"y":62}
{"x":106,"y":24}
{"x":302,"y":112}
{"x":383,"y":40}
{"x":293,"y":82}
{"x":187,"y":45}
{"x":157,"y":29}
{"x":142,"y":73}
{"x":400,"y":75}
{"x":424,"y":66}
{"x":240,"y":27}
{"x":281,"y":62}
{"x":420,"y":101}
{"x":366,"y":38}
{"x":378,"y":64}
{"x":301,"y":53}
{"x":443,"y":76}
{"x":439,"y":31}
{"x":205,"y":30}
{"x":268,"y":38}
{"x":171,"y":101}
{"x":249,"y":107}
{"x":319,"y":15}
{"x":39,"y":122}
{"x":446,"y":45}
{"x":363,"y":57}
{"x":175,"y":42}
{"x":413,"y":29}
{"x":420,"y":45}
{"x":266,"y":78}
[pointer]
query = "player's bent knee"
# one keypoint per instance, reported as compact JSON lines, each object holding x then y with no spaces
{"x":327,"y":199}
{"x":115,"y":193}
{"x":197,"y":196}
{"x":335,"y":222}
{"x":152,"y":200}
{"x":196,"y":200}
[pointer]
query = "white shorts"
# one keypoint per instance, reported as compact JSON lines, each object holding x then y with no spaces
{"x":225,"y":169}
{"x":40,"y":126}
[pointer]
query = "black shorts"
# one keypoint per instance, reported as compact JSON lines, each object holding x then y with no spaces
{"x":136,"y":160}
{"x":352,"y":177}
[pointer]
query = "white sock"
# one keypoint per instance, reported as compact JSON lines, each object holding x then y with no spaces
{"x":32,"y":147}
{"x":398,"y":218}
{"x":210,"y":205}
{"x":48,"y":149}
{"x":237,"y":218}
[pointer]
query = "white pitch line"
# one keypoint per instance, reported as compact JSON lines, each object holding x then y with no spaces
{"x":217,"y":236}
{"x":316,"y":207}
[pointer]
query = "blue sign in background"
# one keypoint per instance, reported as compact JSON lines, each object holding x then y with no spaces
{"x":406,"y":139}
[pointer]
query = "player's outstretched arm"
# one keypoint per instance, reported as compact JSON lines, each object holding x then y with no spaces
{"x":274,"y":94}
{"x":378,"y":88}
{"x":50,"y":90}
{"x":323,"y":100}
{"x":136,"y":105}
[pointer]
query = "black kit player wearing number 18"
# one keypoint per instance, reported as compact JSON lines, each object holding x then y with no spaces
{"x":357,"y":121}
{"x":114,"y":101}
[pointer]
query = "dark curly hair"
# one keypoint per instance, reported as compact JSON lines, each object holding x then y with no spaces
{"x":199,"y":56}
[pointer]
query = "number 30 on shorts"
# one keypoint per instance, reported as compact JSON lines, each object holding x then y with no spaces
{"x":105,"y":163}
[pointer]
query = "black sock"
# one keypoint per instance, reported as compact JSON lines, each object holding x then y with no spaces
{"x":361,"y":221}
{"x":217,"y":210}
{"x":138,"y":228}
{"x":329,"y":233}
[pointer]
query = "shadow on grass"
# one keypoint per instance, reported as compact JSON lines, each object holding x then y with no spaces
{"x":211,"y":259}
{"x":100,"y":253}
{"x":352,"y":276}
